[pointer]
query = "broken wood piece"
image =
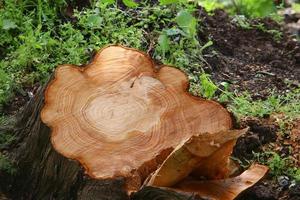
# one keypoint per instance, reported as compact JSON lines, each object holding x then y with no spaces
{"x":227,"y":189}
{"x":207,"y":153}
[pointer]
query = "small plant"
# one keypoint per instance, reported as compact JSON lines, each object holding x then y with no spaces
{"x":296,"y":7}
{"x":287,"y":104}
{"x":179,"y":46}
{"x":248,"y":8}
{"x":208,"y":88}
{"x":278,"y":166}
{"x":242,"y":21}
{"x":253,"y":8}
{"x":277,"y":35}
{"x":211,"y":5}
{"x":128,"y":3}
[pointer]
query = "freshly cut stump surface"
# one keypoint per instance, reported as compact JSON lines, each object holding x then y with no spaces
{"x":120,"y":117}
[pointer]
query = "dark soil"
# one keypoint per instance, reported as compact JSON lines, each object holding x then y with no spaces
{"x":263,"y":132}
{"x":251,"y":59}
{"x":260,"y":132}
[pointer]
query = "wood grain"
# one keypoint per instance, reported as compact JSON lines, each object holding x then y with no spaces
{"x":205,"y":154}
{"x":120,"y":117}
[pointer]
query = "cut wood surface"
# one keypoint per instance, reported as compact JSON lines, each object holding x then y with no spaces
{"x":125,"y":120}
{"x":120,"y":117}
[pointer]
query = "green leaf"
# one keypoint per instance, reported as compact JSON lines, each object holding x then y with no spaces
{"x":208,"y":44}
{"x":210,"y":5}
{"x":108,"y":1}
{"x":130,"y":3}
{"x":252,"y":8}
{"x":207,"y":86}
{"x":94,"y":21}
{"x":225,"y":85}
{"x":173,"y":31}
{"x":166,"y":2}
{"x":164,"y":44}
{"x":186,"y":22}
{"x":8,"y":24}
{"x":296,"y":7}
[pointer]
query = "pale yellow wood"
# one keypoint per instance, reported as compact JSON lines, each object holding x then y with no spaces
{"x":119,"y":117}
{"x":207,"y":153}
{"x":227,"y":189}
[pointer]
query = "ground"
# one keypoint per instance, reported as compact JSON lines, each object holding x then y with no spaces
{"x":255,"y":56}
{"x":253,"y":61}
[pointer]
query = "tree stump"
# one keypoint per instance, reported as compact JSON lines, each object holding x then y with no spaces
{"x":113,"y":124}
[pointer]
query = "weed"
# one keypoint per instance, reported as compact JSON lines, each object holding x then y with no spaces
{"x":296,"y":7}
{"x":287,"y":104}
{"x":244,"y":23}
{"x":277,"y":35}
{"x":278,"y":166}
{"x":211,"y":5}
{"x":253,"y":8}
{"x":208,"y":88}
{"x":241,"y":21}
{"x":248,"y":8}
{"x":128,"y":3}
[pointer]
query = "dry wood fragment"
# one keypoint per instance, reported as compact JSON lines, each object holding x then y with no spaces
{"x":208,"y":154}
{"x":227,"y":189}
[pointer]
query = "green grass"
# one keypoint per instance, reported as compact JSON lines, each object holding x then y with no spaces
{"x":278,"y":165}
{"x":288,"y":108}
{"x":247,"y":8}
{"x":288,"y":105}
{"x":34,"y":38}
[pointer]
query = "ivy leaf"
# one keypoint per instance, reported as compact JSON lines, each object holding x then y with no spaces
{"x":94,"y":21}
{"x":108,"y":1}
{"x":105,"y":2}
{"x":166,"y":2}
{"x":8,"y":24}
{"x":253,"y":9}
{"x":130,"y":3}
{"x":164,"y":42}
{"x":207,"y":86}
{"x":208,"y":44}
{"x":225,"y":85}
{"x":186,"y":22}
{"x":173,"y":31}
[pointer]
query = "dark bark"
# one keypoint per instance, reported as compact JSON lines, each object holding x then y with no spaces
{"x":153,"y":193}
{"x":42,"y":173}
